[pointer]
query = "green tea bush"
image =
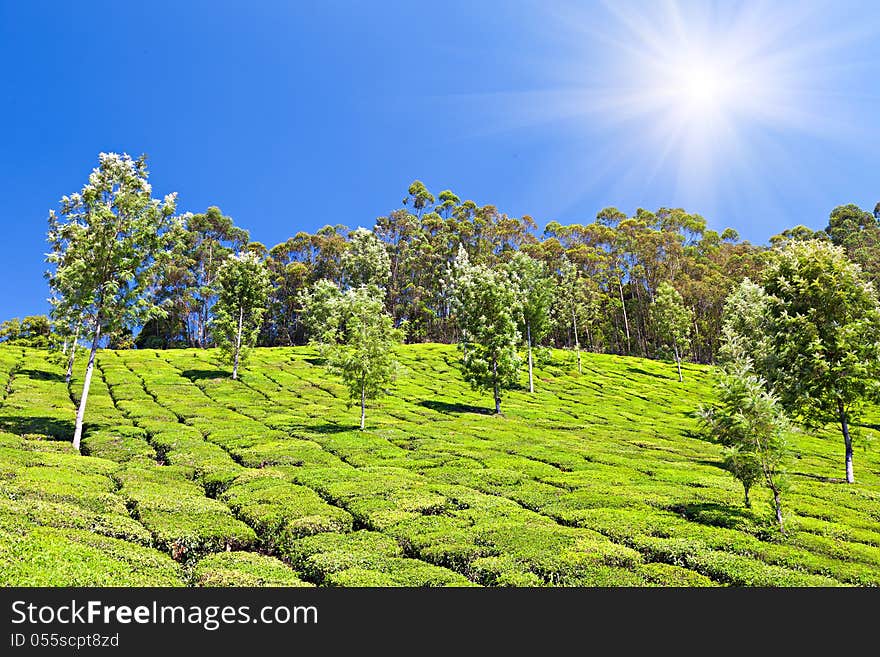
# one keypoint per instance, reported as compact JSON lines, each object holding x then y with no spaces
{"x":244,"y":569}
{"x":280,"y":511}
{"x":596,"y":479}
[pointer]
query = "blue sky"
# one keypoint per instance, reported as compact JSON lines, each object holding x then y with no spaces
{"x":292,"y":115}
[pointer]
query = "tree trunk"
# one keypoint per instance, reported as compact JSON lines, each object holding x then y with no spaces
{"x":577,"y":342}
{"x":747,"y":501}
{"x":625,"y":318}
{"x":777,"y":505}
{"x":677,"y":361}
{"x":641,"y":326}
{"x":529,"y":336}
{"x":363,"y":406}
{"x":71,"y":356}
{"x":237,"y":344}
{"x":81,"y":412}
{"x":495,"y":387}
{"x":847,"y":441}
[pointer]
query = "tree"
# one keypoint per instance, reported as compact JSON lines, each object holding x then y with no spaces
{"x":289,"y":272}
{"x":671,"y":319}
{"x":360,"y":346}
{"x":824,"y":327}
{"x":104,"y":243}
{"x":534,"y":291}
{"x":212,"y":238}
{"x":366,"y":261}
{"x":66,"y":317}
{"x":320,"y":312}
{"x":419,"y":197}
{"x":32,"y":331}
{"x":744,"y":326}
{"x":243,"y":282}
{"x":486,"y":311}
{"x":858,"y":231}
{"x":575,"y":300}
{"x":175,"y":288}
{"x":67,"y":329}
{"x":748,"y":421}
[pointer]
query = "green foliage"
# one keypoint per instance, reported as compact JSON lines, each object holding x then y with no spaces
{"x":365,"y":559}
{"x":243,"y":283}
{"x":824,"y":327}
{"x":183,"y":521}
{"x":281,"y":511}
{"x":364,"y":356}
{"x":32,"y":331}
{"x":744,"y":329}
{"x":671,"y":318}
{"x":593,"y":480}
{"x":44,"y":556}
{"x":486,"y":310}
{"x":104,"y":243}
{"x":229,"y":569}
{"x":858,"y":232}
{"x":366,"y":261}
{"x":749,"y":423}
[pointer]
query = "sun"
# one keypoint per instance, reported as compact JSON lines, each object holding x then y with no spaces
{"x":701,"y":88}
{"x":696,"y":102}
{"x":695,"y":85}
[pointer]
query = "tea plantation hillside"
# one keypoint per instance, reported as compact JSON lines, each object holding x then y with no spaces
{"x":597,"y":479}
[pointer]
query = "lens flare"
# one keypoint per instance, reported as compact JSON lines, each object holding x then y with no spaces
{"x":696,"y":104}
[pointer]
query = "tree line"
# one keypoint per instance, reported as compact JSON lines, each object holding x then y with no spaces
{"x":605,"y":275}
{"x":802,"y":340}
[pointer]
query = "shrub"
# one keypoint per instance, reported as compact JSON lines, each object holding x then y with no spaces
{"x":244,"y":569}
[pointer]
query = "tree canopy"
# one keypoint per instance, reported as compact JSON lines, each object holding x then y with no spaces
{"x":362,"y":345}
{"x":243,"y":287}
{"x":486,"y":311}
{"x":824,"y":336}
{"x":104,"y":244}
{"x":671,"y":319}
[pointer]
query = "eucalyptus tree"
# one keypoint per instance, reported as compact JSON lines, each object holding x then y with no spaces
{"x":243,"y":291}
{"x":671,"y":319}
{"x":32,"y":331}
{"x":209,"y":238}
{"x":534,"y":291}
{"x":486,"y":311}
{"x":289,"y":273}
{"x":105,"y":239}
{"x":569,"y":303}
{"x":858,"y":231}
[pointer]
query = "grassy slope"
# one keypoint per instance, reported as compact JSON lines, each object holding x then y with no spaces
{"x":596,"y":479}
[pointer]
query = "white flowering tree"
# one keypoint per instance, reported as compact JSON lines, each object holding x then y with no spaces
{"x":366,"y":261}
{"x":103,"y":244}
{"x":486,"y":310}
{"x":238,"y":314}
